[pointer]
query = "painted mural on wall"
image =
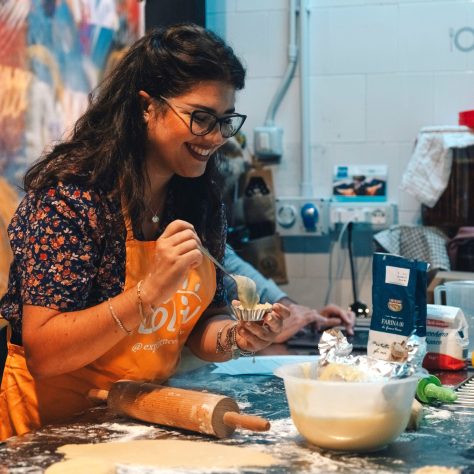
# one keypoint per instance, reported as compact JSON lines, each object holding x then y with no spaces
{"x":53,"y":53}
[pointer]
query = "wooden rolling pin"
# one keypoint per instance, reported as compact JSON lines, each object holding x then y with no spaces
{"x":207,"y":413}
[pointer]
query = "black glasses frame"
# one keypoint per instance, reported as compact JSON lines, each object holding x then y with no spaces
{"x":210,"y":128}
{"x":217,"y":120}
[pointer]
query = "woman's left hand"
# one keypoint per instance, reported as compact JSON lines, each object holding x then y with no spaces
{"x":255,"y":336}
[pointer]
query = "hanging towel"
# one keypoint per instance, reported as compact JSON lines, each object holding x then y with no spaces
{"x":428,"y":171}
{"x":422,"y":243}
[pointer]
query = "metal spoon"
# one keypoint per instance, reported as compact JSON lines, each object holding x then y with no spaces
{"x":246,"y":287}
{"x":215,"y":262}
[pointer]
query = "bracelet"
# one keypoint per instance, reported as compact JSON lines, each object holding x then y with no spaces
{"x":226,"y":347}
{"x":230,"y":343}
{"x":144,"y":318}
{"x":235,"y":349}
{"x":117,"y":320}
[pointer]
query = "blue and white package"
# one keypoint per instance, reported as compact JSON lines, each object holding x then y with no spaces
{"x":399,"y":305}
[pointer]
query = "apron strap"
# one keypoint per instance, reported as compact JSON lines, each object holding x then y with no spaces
{"x":128,"y":222}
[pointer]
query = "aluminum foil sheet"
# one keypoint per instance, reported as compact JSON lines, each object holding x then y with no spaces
{"x":255,"y":314}
{"x":335,"y":349}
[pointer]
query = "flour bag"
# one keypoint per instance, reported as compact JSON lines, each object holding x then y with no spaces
{"x":399,"y":305}
{"x":447,"y":339}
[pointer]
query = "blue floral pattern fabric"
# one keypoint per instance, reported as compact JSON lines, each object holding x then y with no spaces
{"x":69,"y":252}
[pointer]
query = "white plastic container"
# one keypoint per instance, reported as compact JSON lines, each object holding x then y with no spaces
{"x":459,"y":294}
{"x":347,"y":416}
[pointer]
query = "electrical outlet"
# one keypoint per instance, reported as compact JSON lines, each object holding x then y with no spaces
{"x":268,"y":142}
{"x":298,"y":216}
{"x":377,"y":214}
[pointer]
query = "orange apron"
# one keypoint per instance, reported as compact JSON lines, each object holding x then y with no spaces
{"x":151,"y":353}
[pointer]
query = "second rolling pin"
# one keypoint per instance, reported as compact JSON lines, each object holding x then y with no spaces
{"x":206,"y":413}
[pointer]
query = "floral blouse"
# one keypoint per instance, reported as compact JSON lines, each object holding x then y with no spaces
{"x":69,"y":253}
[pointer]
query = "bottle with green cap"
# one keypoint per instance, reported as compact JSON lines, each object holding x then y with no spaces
{"x":431,"y":390}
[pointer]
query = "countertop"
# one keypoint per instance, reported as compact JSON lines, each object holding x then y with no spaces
{"x":446,"y":436}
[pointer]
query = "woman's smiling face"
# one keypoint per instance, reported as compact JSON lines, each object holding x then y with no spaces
{"x":172,"y":148}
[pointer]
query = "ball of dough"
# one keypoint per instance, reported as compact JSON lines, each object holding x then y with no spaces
{"x":342,"y":372}
{"x":436,"y":470}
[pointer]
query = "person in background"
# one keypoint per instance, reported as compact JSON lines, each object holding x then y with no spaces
{"x":300,"y":316}
{"x":108,"y":280}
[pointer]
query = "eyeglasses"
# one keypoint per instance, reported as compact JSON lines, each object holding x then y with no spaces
{"x":202,"y":122}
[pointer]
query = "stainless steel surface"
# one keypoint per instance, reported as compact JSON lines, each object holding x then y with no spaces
{"x":465,"y":393}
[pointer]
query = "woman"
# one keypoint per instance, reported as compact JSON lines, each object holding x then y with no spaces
{"x":108,"y":281}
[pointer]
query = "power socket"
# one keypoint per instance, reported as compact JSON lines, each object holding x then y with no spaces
{"x":377,"y":214}
{"x":268,"y":142}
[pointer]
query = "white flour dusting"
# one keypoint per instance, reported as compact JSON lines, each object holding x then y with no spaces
{"x":306,"y":457}
{"x":432,"y":413}
{"x":126,"y":432}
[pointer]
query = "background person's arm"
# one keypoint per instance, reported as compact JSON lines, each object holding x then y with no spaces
{"x":300,"y":315}
{"x":267,"y":289}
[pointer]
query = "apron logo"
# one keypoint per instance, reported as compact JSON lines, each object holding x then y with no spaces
{"x":186,"y":303}
{"x":185,"y":312}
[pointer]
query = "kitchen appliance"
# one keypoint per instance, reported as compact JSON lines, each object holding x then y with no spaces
{"x":465,"y":396}
{"x":461,"y":295}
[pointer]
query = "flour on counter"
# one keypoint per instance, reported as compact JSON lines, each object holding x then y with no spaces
{"x":307,"y":458}
{"x":282,"y":430}
{"x":129,"y":431}
{"x":433,"y":413}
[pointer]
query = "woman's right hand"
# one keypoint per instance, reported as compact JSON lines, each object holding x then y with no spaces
{"x":176,"y":253}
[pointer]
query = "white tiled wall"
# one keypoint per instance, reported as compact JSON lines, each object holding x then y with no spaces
{"x":380,"y":70}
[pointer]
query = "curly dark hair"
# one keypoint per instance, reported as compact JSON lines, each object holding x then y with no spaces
{"x":107,"y":146}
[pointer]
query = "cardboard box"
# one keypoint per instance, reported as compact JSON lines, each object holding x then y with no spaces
{"x":266,"y":255}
